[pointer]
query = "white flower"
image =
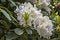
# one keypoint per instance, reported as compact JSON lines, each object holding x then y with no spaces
{"x":44,"y":26}
{"x":45,"y":2}
{"x":26,"y":13}
{"x":44,"y":31}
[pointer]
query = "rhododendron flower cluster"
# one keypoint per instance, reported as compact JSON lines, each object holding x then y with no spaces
{"x":27,"y":14}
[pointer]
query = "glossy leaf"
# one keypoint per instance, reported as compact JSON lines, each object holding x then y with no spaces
{"x":29,"y":31}
{"x":11,"y":35}
{"x":18,"y":31}
{"x":5,"y":14}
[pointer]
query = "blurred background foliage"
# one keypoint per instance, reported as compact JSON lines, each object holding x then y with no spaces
{"x":10,"y":28}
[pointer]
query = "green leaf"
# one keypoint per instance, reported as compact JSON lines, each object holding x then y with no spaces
{"x":6,"y":10}
{"x":18,"y":31}
{"x":10,"y":14}
{"x":2,"y":38}
{"x":14,"y":19}
{"x":3,"y":0}
{"x":5,"y":24}
{"x":13,"y":2}
{"x":29,"y":31}
{"x":57,"y":18}
{"x":11,"y":35}
{"x":6,"y":14}
{"x":54,"y":14}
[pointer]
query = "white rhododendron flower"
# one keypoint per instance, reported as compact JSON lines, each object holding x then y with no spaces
{"x":44,"y":26}
{"x":44,"y":4}
{"x":27,"y":14}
